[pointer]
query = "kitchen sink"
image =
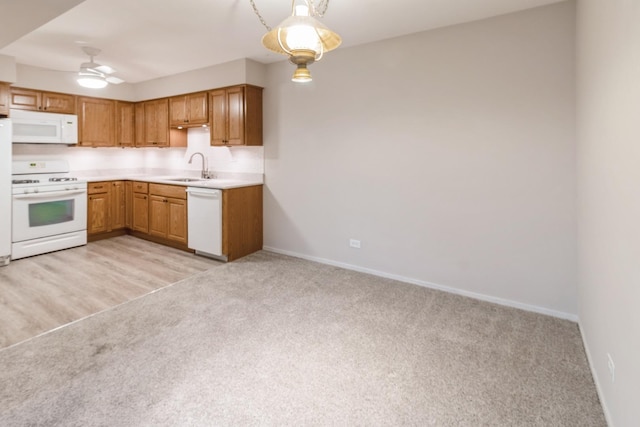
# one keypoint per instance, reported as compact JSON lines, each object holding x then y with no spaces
{"x":184,"y":179}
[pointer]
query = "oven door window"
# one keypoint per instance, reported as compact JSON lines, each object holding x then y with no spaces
{"x":49,"y":213}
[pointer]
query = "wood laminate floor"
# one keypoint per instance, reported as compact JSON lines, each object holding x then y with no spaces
{"x":43,"y":292}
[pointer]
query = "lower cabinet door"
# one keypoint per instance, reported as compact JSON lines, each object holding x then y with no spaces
{"x":140,"y":213}
{"x":177,"y":220}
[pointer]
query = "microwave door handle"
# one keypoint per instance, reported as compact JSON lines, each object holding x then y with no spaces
{"x":48,"y":195}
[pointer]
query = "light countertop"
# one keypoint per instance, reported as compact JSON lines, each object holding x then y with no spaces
{"x":217,"y":183}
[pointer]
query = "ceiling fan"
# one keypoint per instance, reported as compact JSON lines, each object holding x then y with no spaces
{"x":93,"y":75}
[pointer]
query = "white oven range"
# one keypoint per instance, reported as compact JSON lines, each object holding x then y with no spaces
{"x":49,"y":208}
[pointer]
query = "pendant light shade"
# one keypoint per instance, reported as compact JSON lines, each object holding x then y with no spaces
{"x":303,"y":38}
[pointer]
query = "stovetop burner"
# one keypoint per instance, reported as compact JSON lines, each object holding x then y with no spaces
{"x":25,"y":181}
{"x":63,"y":179}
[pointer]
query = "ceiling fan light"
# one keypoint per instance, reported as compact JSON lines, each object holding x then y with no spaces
{"x":91,"y":81}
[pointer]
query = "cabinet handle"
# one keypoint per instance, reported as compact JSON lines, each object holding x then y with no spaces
{"x":98,"y":186}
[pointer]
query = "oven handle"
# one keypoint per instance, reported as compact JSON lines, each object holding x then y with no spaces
{"x":48,"y":195}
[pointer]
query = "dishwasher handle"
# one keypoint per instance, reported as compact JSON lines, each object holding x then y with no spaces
{"x":210,"y":194}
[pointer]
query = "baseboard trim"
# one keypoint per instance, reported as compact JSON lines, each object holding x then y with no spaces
{"x":482,"y":297}
{"x":594,"y":375}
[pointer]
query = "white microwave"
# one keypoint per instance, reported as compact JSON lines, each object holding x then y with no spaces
{"x":35,"y":127}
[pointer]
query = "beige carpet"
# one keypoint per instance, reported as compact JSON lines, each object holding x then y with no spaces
{"x":274,"y":340}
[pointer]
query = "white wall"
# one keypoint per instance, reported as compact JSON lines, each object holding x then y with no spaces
{"x":608,"y":44}
{"x":7,"y":69}
{"x":449,"y":154}
{"x":227,"y":74}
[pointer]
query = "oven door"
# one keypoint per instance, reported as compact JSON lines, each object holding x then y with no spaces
{"x":45,"y":214}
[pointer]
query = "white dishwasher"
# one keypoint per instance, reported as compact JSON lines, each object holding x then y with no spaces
{"x":204,"y":207}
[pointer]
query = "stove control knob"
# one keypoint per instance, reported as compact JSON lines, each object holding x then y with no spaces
{"x":35,"y":190}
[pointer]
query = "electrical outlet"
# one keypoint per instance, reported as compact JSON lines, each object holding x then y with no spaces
{"x":612,"y":367}
{"x":354,"y":243}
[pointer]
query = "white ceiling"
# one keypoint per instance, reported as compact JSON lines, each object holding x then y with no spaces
{"x":147,"y":39}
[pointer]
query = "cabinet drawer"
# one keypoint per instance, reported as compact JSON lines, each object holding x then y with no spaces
{"x":140,"y":187}
{"x":97,"y":187}
{"x":173,"y":191}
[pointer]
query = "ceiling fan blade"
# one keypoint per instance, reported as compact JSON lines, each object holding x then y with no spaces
{"x":114,"y":80}
{"x":105,"y":69}
{"x":90,"y":71}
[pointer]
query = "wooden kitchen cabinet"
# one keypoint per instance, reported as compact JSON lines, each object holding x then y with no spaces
{"x":125,"y":124}
{"x":242,"y":223}
{"x":98,"y":212}
{"x":4,"y":99}
{"x":236,"y":115}
{"x":128,"y":205}
{"x":189,"y":110}
{"x":140,"y":207}
{"x":36,"y":100}
{"x":156,"y":123}
{"x":139,"y":124}
{"x":105,"y":208}
{"x":168,"y":212}
{"x":117,"y":206}
{"x":152,"y":126}
{"x":96,"y":122}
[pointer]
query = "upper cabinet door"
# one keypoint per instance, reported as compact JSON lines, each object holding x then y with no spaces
{"x":96,"y":122}
{"x":178,"y":113}
{"x":198,"y":104}
{"x":189,"y":110}
{"x":156,"y":122}
{"x":36,"y":100}
{"x":26,"y":99}
{"x":125,"y":124}
{"x":218,"y":105}
{"x":139,"y":120}
{"x":58,"y":103}
{"x":236,"y":115}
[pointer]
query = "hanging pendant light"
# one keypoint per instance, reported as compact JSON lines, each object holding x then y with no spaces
{"x":302,"y":37}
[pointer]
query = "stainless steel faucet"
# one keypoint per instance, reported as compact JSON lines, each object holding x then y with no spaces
{"x":205,"y":172}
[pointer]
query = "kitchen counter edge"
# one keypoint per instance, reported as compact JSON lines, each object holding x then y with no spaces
{"x":219,"y":184}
